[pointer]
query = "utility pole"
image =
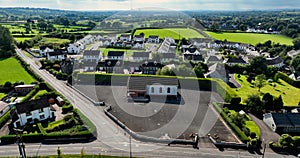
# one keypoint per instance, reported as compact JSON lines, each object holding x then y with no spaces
{"x":265,"y":146}
{"x":130,"y":153}
{"x":20,"y":143}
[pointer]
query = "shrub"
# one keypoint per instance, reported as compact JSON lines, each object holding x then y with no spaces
{"x":287,"y":79}
{"x":67,"y":108}
{"x":5,"y":118}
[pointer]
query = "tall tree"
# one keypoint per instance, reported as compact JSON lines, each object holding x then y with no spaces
{"x":268,"y":101}
{"x":199,"y":71}
{"x":296,"y":43}
{"x":296,"y":63}
{"x":260,"y":81}
{"x":6,"y":43}
{"x":278,"y":103}
{"x":254,"y":104}
{"x":258,"y":64}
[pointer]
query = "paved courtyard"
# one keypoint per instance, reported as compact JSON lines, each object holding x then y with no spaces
{"x":163,"y":120}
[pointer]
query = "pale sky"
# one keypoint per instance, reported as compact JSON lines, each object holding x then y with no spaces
{"x":167,"y":4}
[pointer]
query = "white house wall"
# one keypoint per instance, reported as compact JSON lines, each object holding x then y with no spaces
{"x":269,"y":121}
{"x":35,"y":115}
{"x":173,"y":90}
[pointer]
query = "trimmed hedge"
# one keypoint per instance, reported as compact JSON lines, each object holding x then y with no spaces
{"x":287,"y":79}
{"x":27,"y":138}
{"x":31,"y":94}
{"x":28,"y":69}
{"x":209,"y":84}
{"x":5,"y":118}
{"x":67,"y":108}
{"x":234,"y":127}
{"x":41,"y":128}
{"x":91,"y":127}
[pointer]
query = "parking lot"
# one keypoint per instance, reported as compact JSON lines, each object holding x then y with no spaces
{"x":163,"y":120}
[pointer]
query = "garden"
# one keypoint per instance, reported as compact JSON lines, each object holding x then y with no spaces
{"x":290,"y":95}
{"x":240,"y":123}
{"x":73,"y":125}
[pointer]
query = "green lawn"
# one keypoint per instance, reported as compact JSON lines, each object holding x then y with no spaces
{"x":174,"y":33}
{"x":55,"y":124}
{"x":39,"y":93}
{"x":251,"y":38}
{"x":290,"y":94}
{"x":253,"y":127}
{"x":11,"y":70}
{"x":249,"y":124}
{"x":129,"y":52}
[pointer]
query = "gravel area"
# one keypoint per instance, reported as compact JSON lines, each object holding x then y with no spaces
{"x":163,"y":120}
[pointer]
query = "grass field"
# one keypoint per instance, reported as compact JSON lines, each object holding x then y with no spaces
{"x":290,"y":94}
{"x":12,"y":71}
{"x":174,"y":33}
{"x":251,"y":38}
{"x":54,"y":41}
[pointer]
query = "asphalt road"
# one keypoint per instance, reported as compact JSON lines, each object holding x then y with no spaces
{"x":111,"y":140}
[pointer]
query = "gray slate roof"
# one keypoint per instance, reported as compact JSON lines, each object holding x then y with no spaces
{"x":286,"y":119}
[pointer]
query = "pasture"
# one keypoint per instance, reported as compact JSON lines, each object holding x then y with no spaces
{"x":11,"y":70}
{"x":175,"y":33}
{"x":53,"y":41}
{"x":251,"y":38}
{"x":290,"y":95}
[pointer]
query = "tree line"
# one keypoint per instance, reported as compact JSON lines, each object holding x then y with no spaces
{"x":6,"y":43}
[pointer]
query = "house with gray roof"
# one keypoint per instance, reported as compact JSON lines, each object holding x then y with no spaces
{"x":27,"y":112}
{"x":283,"y":122}
{"x":146,"y":87}
{"x":275,"y":62}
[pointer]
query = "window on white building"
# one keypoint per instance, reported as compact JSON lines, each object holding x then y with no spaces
{"x":41,"y":110}
{"x":169,"y":90}
{"x":28,"y":113}
{"x":160,"y":89}
{"x":152,"y":89}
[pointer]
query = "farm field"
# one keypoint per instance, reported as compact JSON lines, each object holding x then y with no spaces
{"x":54,"y":41}
{"x":21,"y":39}
{"x":11,"y":70}
{"x":171,"y":32}
{"x":250,"y":38}
{"x":290,"y":95}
